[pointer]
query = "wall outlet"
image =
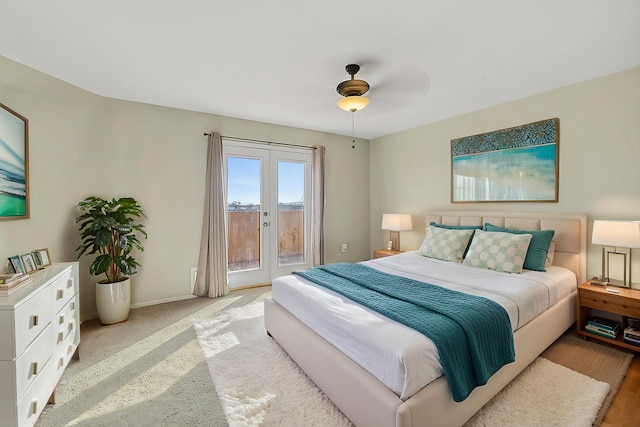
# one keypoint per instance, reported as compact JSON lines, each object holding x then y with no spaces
{"x":194,"y":273}
{"x":343,"y":247}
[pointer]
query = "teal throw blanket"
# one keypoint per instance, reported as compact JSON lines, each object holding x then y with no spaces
{"x":472,"y":334}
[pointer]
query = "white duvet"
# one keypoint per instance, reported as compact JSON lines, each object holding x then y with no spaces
{"x":401,"y":358}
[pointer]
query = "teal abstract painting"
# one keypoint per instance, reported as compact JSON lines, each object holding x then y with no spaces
{"x":518,"y":164}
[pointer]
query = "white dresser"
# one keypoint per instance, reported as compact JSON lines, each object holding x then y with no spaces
{"x":39,"y":334}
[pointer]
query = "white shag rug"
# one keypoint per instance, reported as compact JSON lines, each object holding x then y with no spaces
{"x":258,"y":384}
{"x":256,"y":381}
{"x":545,"y":394}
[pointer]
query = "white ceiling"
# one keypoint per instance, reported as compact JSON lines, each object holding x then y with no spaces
{"x":280,"y":61}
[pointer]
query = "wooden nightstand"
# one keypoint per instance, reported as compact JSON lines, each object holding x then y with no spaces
{"x":381,"y":253}
{"x":625,"y":303}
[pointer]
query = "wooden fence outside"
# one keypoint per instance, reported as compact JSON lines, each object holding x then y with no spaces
{"x":243,"y":234}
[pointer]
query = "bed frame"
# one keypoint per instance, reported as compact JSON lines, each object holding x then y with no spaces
{"x":367,"y":402}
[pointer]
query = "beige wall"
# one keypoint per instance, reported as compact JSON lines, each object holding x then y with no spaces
{"x":599,"y":158}
{"x":82,"y":144}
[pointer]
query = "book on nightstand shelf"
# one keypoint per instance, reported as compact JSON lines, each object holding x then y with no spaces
{"x":632,"y":336}
{"x":604,"y":327}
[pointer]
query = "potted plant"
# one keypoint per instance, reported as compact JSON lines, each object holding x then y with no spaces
{"x":110,"y":228}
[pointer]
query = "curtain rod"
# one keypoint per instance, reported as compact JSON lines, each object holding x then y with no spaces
{"x":259,"y":141}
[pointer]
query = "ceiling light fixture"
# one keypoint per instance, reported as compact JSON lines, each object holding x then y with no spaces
{"x":352,"y":91}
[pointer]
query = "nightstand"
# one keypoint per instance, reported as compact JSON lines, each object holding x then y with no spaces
{"x":624,"y":303}
{"x":381,"y":253}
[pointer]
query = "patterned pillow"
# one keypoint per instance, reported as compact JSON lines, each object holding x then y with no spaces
{"x":538,"y":247}
{"x":498,"y":251}
{"x":445,"y":244}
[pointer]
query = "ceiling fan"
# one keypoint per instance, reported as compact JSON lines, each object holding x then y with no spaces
{"x":352,"y":91}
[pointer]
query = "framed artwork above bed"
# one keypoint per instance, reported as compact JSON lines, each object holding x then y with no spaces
{"x":518,"y":164}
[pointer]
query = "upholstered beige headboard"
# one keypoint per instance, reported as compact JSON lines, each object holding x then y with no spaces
{"x":570,"y":231}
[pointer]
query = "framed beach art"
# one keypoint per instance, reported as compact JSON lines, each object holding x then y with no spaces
{"x":14,"y":164}
{"x":518,"y":164}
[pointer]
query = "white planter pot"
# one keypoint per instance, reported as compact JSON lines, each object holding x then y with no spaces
{"x":113,"y":301}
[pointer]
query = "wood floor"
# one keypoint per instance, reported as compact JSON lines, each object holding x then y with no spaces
{"x":625,"y":408}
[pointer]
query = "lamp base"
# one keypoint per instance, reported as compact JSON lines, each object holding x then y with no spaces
{"x":394,"y":236}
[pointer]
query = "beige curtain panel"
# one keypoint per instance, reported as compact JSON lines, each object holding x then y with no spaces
{"x":317,"y":234}
{"x":212,"y":278}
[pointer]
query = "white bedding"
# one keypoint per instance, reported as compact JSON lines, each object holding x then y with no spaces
{"x":399,"y":357}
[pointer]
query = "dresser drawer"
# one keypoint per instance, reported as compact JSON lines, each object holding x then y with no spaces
{"x":66,"y":321}
{"x":30,"y":406}
{"x":32,"y":362}
{"x":30,"y":319}
{"x":610,"y":302}
{"x":62,"y":290}
{"x":62,"y":356}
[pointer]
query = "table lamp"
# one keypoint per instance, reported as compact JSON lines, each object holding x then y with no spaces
{"x":396,"y":223}
{"x":616,"y":234}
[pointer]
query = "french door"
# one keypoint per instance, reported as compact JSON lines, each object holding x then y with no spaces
{"x":268,"y":211}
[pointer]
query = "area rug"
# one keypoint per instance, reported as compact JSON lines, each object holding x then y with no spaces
{"x":258,"y":384}
{"x":544,"y":394}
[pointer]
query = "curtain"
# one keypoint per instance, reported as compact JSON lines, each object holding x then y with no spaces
{"x":212,"y":277}
{"x":317,"y":233}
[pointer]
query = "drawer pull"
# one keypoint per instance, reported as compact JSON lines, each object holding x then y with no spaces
{"x":60,"y":337}
{"x":73,"y":305}
{"x":34,"y":407}
{"x":34,"y":320}
{"x":61,"y":319}
{"x":61,"y":362}
{"x":34,"y":368}
{"x":70,"y":327}
{"x":70,"y":283}
{"x":60,"y":294}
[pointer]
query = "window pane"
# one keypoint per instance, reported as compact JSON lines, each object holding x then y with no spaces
{"x":291,"y":213}
{"x":243,"y":225}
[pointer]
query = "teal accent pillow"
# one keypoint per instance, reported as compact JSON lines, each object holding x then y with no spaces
{"x":498,"y":251}
{"x":445,"y":244}
{"x":538,"y":248}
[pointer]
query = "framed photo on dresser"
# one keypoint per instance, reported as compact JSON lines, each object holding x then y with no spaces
{"x":17,"y":265}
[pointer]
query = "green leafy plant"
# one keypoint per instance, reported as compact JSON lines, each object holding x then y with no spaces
{"x":110,"y":228}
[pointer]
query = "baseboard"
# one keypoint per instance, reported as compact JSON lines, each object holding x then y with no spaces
{"x":162,"y":301}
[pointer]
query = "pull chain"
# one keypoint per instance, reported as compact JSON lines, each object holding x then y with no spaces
{"x":353,"y":130}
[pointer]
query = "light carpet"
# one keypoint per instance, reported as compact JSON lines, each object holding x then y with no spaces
{"x":258,"y":384}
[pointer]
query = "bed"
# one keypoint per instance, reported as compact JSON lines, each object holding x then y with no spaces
{"x":369,"y":401}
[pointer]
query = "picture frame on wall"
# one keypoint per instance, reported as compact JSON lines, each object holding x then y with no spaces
{"x":28,"y":262}
{"x":45,"y":258}
{"x":14,"y":165}
{"x":17,"y":265}
{"x":518,"y":164}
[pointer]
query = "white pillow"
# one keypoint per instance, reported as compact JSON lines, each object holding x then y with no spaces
{"x":495,"y":250}
{"x":445,"y":244}
{"x":550,"y":253}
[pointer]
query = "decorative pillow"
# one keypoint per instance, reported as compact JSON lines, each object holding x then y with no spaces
{"x":550,"y":253}
{"x":445,"y":244}
{"x":498,"y":251}
{"x":538,"y":248}
{"x":459,"y":227}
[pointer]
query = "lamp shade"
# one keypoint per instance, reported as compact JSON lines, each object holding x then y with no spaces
{"x":353,"y":103}
{"x":619,"y":234}
{"x":396,"y":222}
